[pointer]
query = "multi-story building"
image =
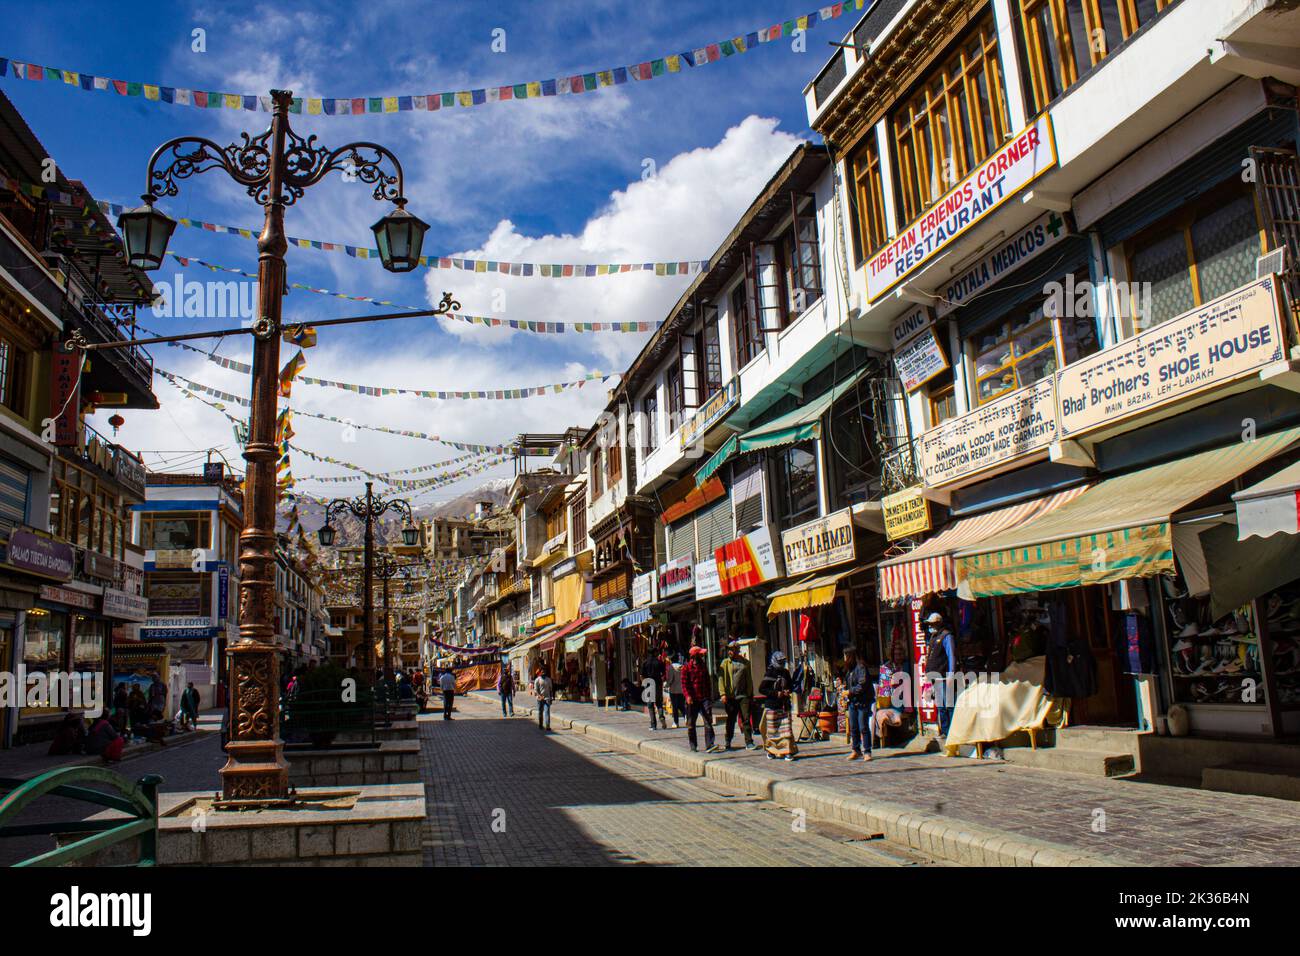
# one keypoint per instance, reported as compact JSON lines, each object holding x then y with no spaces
{"x":70,"y":575}
{"x":189,"y":527}
{"x":1074,"y":226}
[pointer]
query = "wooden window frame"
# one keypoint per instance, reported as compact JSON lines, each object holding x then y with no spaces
{"x":1063,"y":43}
{"x":867,"y":192}
{"x":650,"y":416}
{"x":935,"y":102}
{"x":1184,"y":220}
{"x":749,"y":341}
{"x":1014,"y":361}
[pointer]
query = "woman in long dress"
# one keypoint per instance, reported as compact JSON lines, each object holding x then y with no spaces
{"x":778,"y":729}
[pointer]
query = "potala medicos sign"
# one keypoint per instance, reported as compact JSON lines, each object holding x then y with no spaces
{"x":1028,"y":155}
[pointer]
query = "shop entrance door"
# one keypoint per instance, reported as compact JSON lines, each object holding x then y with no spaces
{"x":1114,"y":702}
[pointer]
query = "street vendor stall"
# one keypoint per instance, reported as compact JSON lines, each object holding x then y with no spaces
{"x":990,"y":712}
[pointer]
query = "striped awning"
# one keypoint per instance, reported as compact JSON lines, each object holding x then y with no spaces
{"x":930,"y":567}
{"x":810,"y":592}
{"x":1120,"y":528}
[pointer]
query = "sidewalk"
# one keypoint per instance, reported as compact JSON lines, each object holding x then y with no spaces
{"x":977,"y":812}
{"x":31,"y":760}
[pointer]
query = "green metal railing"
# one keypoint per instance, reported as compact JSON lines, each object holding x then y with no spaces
{"x":138,"y":801}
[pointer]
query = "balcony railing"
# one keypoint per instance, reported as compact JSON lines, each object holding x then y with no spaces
{"x":900,"y":469}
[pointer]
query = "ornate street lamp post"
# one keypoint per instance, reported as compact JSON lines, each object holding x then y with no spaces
{"x":275,"y":168}
{"x":368,"y":508}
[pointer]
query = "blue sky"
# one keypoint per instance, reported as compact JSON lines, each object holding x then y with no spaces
{"x":551,"y":180}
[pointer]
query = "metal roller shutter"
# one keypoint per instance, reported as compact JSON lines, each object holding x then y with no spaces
{"x":713,"y":527}
{"x":681,"y":539}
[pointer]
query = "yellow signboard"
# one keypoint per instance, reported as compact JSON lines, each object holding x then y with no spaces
{"x":906,"y":513}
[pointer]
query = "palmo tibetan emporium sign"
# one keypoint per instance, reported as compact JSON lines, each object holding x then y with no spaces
{"x":1017,"y":424}
{"x":819,"y":543}
{"x":1226,"y":339}
{"x":906,"y":513}
{"x":1023,"y":159}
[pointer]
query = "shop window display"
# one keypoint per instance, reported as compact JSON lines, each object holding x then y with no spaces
{"x":1214,"y":661}
{"x":1281,"y":611}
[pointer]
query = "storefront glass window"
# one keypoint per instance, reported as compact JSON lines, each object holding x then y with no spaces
{"x":852,"y":451}
{"x":1214,"y":661}
{"x":88,"y":645}
{"x":797,"y":473}
{"x":1226,"y":244}
{"x":165,"y":531}
{"x":44,"y":641}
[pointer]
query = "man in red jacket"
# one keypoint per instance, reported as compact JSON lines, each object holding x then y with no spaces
{"x":698,"y":690}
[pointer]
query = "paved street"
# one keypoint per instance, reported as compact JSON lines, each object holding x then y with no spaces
{"x":1125,"y":821}
{"x":502,"y":793}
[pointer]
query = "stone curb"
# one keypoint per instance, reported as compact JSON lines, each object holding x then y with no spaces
{"x":141,"y":750}
{"x":934,"y":835}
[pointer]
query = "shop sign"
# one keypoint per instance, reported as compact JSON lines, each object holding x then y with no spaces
{"x":920,"y":656}
{"x":746,"y":561}
{"x":920,"y":360}
{"x":1027,"y":156}
{"x":695,"y":499}
{"x":676,"y":576}
{"x":37,"y":554}
{"x":172,"y":558}
{"x":1019,"y":248}
{"x":710,"y":413}
{"x":98,"y":565}
{"x":125,"y":606}
{"x":175,"y":597}
{"x":909,"y":325}
{"x":65,"y":384}
{"x":177,"y":633}
{"x":223,"y":592}
{"x":129,"y":470}
{"x":707,"y":583}
{"x":643,"y":589}
{"x":68,"y":596}
{"x":819,"y":543}
{"x":1017,"y":424}
{"x":545,"y":619}
{"x":1224,"y":340}
{"x":567,"y":566}
{"x":906,"y":513}
{"x":609,"y":608}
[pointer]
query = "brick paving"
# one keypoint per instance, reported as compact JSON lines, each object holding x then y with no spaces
{"x":1145,"y":823}
{"x":565,"y":800}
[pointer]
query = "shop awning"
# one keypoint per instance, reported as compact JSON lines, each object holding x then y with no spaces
{"x":524,"y":648}
{"x":930,"y":567}
{"x":810,"y":592}
{"x":633,"y":618}
{"x":1119,"y":528}
{"x":803,"y":423}
{"x":716,"y":460}
{"x":575,"y":641}
{"x":564,"y":631}
{"x":1271,"y":506}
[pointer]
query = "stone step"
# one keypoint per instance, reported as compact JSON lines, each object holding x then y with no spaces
{"x":1260,"y":780}
{"x":1093,"y":762}
{"x":1111,"y":740}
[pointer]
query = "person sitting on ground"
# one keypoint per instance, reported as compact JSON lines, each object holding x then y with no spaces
{"x":138,"y":707}
{"x":888,"y":709}
{"x":70,"y":738}
{"x":626,"y":694}
{"x":104,"y":740}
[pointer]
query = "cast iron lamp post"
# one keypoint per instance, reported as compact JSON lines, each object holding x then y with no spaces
{"x":275,"y":168}
{"x":387,"y":569}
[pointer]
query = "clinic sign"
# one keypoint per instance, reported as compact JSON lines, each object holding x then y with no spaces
{"x":1013,"y":426}
{"x":819,"y":543}
{"x":1006,"y":172}
{"x":1224,"y":340}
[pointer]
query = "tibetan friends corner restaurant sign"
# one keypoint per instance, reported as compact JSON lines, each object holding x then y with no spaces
{"x":746,"y":561}
{"x":819,"y":543}
{"x":1017,"y":424}
{"x":1226,"y":339}
{"x":1023,"y":159}
{"x":906,"y":513}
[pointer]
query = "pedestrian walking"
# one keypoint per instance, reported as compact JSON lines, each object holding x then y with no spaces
{"x":447,"y":682}
{"x":778,"y":731}
{"x":673,"y":674}
{"x":157,"y":696}
{"x":506,"y":691}
{"x":861,"y":695}
{"x":697,"y":690}
{"x":736,"y":686}
{"x":653,"y":670}
{"x":189,"y":707}
{"x":544,"y":691}
{"x":939,"y":658}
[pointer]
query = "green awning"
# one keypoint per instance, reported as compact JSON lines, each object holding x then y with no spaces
{"x":715,"y":461}
{"x":803,"y":423}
